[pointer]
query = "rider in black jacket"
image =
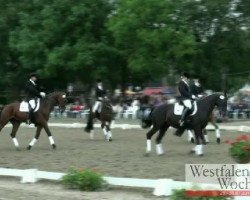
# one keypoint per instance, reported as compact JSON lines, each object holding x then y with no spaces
{"x":100,"y":93}
{"x":33,"y":92}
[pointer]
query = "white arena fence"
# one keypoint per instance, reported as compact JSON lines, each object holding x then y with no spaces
{"x":134,"y":126}
{"x":161,"y":187}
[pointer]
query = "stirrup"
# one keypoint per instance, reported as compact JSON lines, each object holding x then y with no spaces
{"x":181,"y":123}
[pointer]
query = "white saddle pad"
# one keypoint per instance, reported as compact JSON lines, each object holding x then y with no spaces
{"x":24,"y":106}
{"x":178,"y":109}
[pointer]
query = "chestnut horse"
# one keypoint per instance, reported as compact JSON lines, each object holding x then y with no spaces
{"x":11,"y":113}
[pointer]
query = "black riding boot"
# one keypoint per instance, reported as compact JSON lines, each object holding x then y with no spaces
{"x":31,"y":117}
{"x":183,"y":116}
{"x":182,"y":128}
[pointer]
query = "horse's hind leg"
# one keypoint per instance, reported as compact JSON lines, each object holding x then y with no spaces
{"x":198,"y":149}
{"x":109,"y":134}
{"x":34,"y":140}
{"x":149,"y":136}
{"x":159,"y":149}
{"x":51,"y":140}
{"x":15,"y":127}
{"x":89,"y":126}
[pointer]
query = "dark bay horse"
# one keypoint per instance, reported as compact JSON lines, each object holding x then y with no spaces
{"x":10,"y":113}
{"x":162,"y":117}
{"x":106,"y":117}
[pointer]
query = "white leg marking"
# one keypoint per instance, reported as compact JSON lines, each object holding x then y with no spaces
{"x":217,"y":131}
{"x":199,"y":149}
{"x":190,"y":135}
{"x":148,"y":146}
{"x":109,"y":135}
{"x":33,"y":141}
{"x":51,"y":140}
{"x":15,"y":142}
{"x":105,"y":132}
{"x":159,"y":149}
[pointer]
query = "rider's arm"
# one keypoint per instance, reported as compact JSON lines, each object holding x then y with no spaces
{"x":33,"y":90}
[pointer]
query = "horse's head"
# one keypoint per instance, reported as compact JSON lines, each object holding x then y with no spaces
{"x":61,"y":100}
{"x":221,"y":103}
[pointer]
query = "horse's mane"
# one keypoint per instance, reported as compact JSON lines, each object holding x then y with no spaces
{"x":49,"y":95}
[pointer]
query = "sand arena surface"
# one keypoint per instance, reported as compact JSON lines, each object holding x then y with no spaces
{"x":124,"y":157}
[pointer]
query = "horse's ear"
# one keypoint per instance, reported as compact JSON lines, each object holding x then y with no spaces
{"x":225,"y":93}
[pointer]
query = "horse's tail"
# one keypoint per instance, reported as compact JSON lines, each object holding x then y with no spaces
{"x":1,"y":109}
{"x":146,"y":119}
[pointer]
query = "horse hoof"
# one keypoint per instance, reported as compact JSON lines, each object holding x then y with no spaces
{"x":53,"y":146}
{"x":147,"y":154}
{"x":110,"y":139}
{"x":87,"y":130}
{"x":29,"y":147}
{"x":200,"y":154}
{"x":192,"y":140}
{"x":218,"y":140}
{"x":192,"y":151}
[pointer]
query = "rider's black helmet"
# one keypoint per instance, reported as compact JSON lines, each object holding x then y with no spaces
{"x":99,"y":81}
{"x":185,"y":74}
{"x":33,"y":75}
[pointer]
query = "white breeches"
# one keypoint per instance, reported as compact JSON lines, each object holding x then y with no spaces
{"x":96,"y":106}
{"x":32,"y":103}
{"x":187,"y":103}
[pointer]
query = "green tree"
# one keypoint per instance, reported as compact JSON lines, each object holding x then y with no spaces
{"x":61,"y":37}
{"x":151,"y":38}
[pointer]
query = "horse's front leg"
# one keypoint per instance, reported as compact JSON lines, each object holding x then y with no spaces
{"x":198,"y":149}
{"x":190,"y":136}
{"x":106,"y":130}
{"x":217,"y":132}
{"x":159,"y":148}
{"x":206,"y":140}
{"x":51,"y":140}
{"x":34,"y":140}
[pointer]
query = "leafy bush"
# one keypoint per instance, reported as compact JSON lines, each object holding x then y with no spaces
{"x":181,"y":195}
{"x":240,"y":148}
{"x":86,"y":180}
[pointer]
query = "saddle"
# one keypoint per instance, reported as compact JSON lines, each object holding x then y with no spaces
{"x":34,"y":104}
{"x":179,"y":107}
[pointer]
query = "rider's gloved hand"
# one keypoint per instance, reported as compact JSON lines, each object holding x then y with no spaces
{"x":42,"y":94}
{"x":193,"y":97}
